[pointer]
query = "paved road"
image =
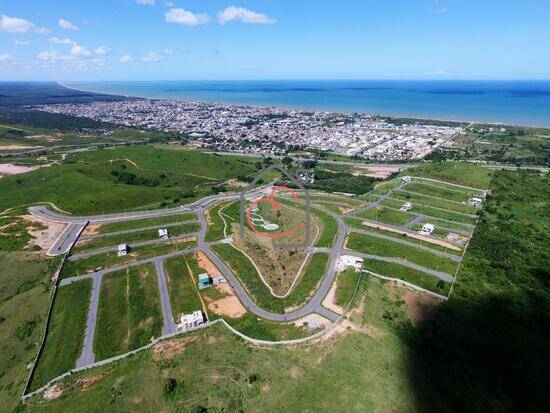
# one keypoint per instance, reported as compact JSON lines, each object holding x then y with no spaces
{"x":88,"y":356}
{"x":169,"y":326}
{"x":76,"y":257}
{"x":66,"y":240}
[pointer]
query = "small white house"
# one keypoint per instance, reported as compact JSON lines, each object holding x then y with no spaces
{"x":163,"y":233}
{"x":475,"y":202}
{"x":406,"y":179}
{"x":427,"y":229}
{"x":122,"y":250}
{"x":451,"y":236}
{"x":347,"y":261}
{"x":406,"y":206}
{"x":188,"y":321}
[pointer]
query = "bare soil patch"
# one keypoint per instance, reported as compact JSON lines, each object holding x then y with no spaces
{"x":229,"y":305}
{"x":419,"y":306}
{"x":165,"y":350}
{"x":16,"y":147}
{"x":328,"y":301}
{"x":92,"y":229}
{"x":44,"y":238}
{"x":86,"y":382}
{"x":11,"y":169}
{"x":53,"y":392}
{"x":206,"y":264}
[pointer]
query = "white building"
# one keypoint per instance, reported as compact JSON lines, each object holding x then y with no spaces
{"x":406,"y":206}
{"x":475,"y":202}
{"x":122,"y":250}
{"x":188,"y":321}
{"x":346,"y":261}
{"x":427,"y":229}
{"x":406,"y":179}
{"x":163,"y":233}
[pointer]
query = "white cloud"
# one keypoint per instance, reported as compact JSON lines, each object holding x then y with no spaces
{"x":21,"y":42}
{"x":102,"y":51}
{"x":66,"y":40}
{"x":6,"y":58}
{"x":80,"y":51}
{"x":126,"y":58}
{"x":18,"y":25}
{"x":67,"y":25}
{"x":146,"y":2}
{"x":243,"y":15}
{"x":167,"y":52}
{"x":152,"y":57}
{"x":51,"y":55}
{"x":169,"y":4}
{"x":185,"y":18}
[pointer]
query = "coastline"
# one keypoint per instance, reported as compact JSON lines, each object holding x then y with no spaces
{"x":310,"y":109}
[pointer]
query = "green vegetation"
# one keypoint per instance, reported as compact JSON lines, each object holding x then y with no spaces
{"x":355,"y":223}
{"x":129,"y":311}
{"x":446,"y":185}
{"x":181,"y":288}
{"x":450,"y":216}
{"x":131,"y":238}
{"x":495,"y":328}
{"x":145,"y":222}
{"x":259,"y":379}
{"x":346,"y":284}
{"x":216,"y":225}
{"x":419,"y":278}
{"x":14,"y":234}
{"x":330,"y":229}
{"x":514,"y":145}
{"x":90,"y":182}
{"x":385,"y":248}
{"x":108,"y":260}
{"x":445,"y":224}
{"x":427,"y":189}
{"x":456,"y":172}
{"x":439,"y":203}
{"x":262,"y":329}
{"x":250,"y":279}
{"x":387,"y":216}
{"x":65,"y":332}
{"x":385,"y":187}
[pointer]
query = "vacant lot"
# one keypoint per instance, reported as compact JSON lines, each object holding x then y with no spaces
{"x":139,"y":223}
{"x":376,"y":246}
{"x":456,"y":172}
{"x":65,"y":332}
{"x":387,"y":216}
{"x":428,"y":201}
{"x":181,"y":286}
{"x":129,"y":311}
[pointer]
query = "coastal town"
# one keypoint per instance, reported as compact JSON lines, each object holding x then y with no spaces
{"x":270,"y":131}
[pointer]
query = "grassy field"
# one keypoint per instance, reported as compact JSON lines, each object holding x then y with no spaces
{"x":346,"y":284}
{"x":141,"y":223}
{"x":385,"y":187}
{"x":445,"y":185}
{"x":315,"y":377}
{"x":439,"y":203}
{"x":108,"y":260}
{"x":455,"y":172}
{"x":410,"y":275}
{"x":426,"y":189}
{"x":129,"y":311}
{"x":131,"y":238}
{"x":248,"y":276}
{"x":65,"y":332}
{"x":355,"y":223}
{"x":384,"y":248}
{"x":215,"y":228}
{"x":330,"y":229}
{"x":123,"y":179}
{"x":387,"y":216}
{"x":447,"y":215}
{"x":181,"y":288}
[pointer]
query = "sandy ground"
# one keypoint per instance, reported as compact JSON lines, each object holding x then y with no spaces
{"x":378,"y":171}
{"x":206,"y":264}
{"x":44,"y":238}
{"x":53,"y":392}
{"x":11,"y":169}
{"x":86,"y":382}
{"x":419,"y":306}
{"x":16,"y":147}
{"x":166,"y":350}
{"x":229,"y":305}
{"x":413,"y":235}
{"x":328,"y":301}
{"x":311,"y":321}
{"x":127,"y":160}
{"x":92,"y":229}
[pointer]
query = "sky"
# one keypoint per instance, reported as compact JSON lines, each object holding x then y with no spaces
{"x":279,"y":39}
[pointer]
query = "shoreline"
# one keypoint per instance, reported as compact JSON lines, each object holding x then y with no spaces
{"x":400,"y":116}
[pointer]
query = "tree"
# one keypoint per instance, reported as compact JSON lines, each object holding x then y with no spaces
{"x":287,"y":161}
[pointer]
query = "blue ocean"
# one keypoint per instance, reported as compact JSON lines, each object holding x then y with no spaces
{"x":509,"y":102}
